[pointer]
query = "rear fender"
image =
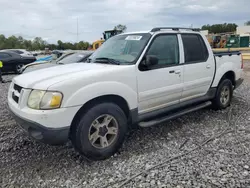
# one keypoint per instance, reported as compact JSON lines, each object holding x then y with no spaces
{"x":221,"y":70}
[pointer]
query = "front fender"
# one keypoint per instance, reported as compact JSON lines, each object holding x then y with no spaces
{"x":91,"y":91}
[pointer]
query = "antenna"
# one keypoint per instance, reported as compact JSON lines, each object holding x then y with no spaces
{"x":77,"y":29}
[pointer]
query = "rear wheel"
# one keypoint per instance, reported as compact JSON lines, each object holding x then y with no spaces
{"x":224,"y":95}
{"x":18,"y":68}
{"x":100,"y":131}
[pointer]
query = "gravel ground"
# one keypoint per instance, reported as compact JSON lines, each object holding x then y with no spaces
{"x":203,"y":149}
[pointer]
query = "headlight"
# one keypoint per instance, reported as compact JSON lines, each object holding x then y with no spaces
{"x":44,"y":100}
{"x":51,"y":100}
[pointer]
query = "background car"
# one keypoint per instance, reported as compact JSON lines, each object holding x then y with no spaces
{"x":58,"y":53}
{"x":43,"y":60}
{"x":21,"y":52}
{"x":71,"y":57}
{"x":13,"y":61}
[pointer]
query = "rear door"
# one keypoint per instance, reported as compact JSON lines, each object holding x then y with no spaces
{"x":199,"y":66}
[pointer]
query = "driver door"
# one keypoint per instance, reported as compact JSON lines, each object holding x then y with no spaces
{"x":160,"y":85}
{"x":8,"y":61}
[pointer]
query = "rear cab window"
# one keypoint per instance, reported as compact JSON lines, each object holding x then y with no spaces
{"x":195,"y":50}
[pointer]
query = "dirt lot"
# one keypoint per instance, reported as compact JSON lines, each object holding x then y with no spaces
{"x":203,"y":149}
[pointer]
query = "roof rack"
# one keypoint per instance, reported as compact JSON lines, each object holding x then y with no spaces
{"x":174,"y":28}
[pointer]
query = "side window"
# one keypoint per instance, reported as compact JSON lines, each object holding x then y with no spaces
{"x":166,"y":49}
{"x":4,"y":55}
{"x":18,"y":51}
{"x":194,"y":48}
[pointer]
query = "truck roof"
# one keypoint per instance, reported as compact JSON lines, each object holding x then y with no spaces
{"x":134,"y":32}
{"x":169,"y":29}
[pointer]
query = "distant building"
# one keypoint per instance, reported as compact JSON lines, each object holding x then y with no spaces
{"x":243,"y":30}
{"x":204,"y":32}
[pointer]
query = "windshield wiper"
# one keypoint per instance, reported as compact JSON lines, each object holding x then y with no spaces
{"x":107,"y":60}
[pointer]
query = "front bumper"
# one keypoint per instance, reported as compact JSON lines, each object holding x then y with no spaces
{"x":48,"y":126}
{"x":52,"y":136}
{"x":238,"y":82}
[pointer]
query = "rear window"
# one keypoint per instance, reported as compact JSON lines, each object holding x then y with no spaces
{"x":63,"y":56}
{"x":73,"y":58}
{"x":194,"y":48}
{"x":17,"y":51}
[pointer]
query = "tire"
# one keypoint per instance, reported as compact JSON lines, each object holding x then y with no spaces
{"x":18,"y":68}
{"x":225,"y":87}
{"x":88,"y":136}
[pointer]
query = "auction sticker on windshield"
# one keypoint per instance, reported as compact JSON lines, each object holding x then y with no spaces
{"x":133,"y":37}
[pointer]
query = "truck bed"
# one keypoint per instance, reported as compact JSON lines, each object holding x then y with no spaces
{"x":226,"y":57}
{"x":227,"y":61}
{"x":220,"y":54}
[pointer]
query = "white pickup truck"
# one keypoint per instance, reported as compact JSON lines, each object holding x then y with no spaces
{"x":137,"y":78}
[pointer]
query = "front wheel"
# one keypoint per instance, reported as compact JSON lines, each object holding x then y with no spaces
{"x":19,"y":69}
{"x":100,"y":131}
{"x":224,"y":95}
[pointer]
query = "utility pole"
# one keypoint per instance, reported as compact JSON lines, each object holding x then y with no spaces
{"x":77,"y":30}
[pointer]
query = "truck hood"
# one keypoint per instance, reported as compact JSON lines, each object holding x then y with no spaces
{"x":43,"y":78}
{"x":38,"y":66}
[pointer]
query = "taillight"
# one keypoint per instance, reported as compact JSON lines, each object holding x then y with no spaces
{"x":242,"y":65}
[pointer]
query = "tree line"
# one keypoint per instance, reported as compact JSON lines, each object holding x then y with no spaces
{"x":38,"y":43}
{"x":222,"y":28}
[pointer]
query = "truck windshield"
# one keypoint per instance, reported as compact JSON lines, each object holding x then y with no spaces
{"x":125,"y":49}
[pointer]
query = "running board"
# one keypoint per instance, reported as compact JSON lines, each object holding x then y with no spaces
{"x":174,"y":115}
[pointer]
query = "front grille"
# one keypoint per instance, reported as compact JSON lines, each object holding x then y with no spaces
{"x":15,"y":98}
{"x":16,"y":88}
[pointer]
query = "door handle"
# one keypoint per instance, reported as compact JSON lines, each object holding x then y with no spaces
{"x":208,"y":66}
{"x":177,"y":71}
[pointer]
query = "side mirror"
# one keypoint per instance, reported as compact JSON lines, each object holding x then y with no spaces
{"x":151,"y":60}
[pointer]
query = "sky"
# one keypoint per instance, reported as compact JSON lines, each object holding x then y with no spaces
{"x":57,"y":19}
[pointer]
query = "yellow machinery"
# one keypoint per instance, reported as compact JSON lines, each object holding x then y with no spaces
{"x":218,"y":40}
{"x":111,"y":33}
{"x":214,"y":40}
{"x":96,"y":44}
{"x":106,"y":35}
